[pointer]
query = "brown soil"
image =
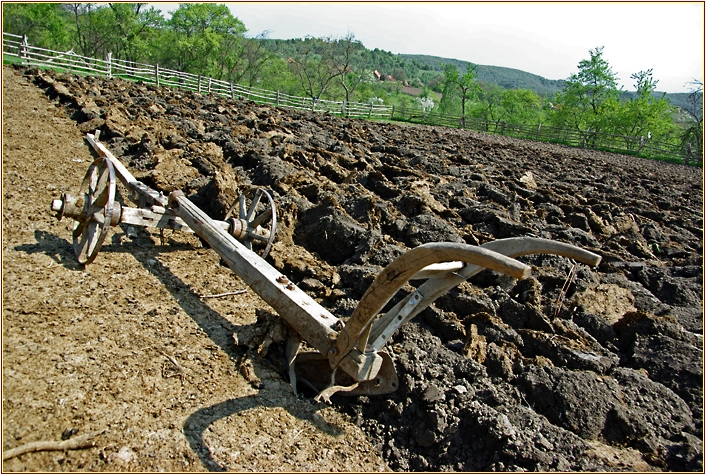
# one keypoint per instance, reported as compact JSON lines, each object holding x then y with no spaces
{"x":87,"y":349}
{"x":492,"y":376}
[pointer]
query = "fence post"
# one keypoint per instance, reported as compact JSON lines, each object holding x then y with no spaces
{"x":156,"y":74}
{"x":642,"y":144}
{"x":209,"y":85}
{"x":370,"y":111}
{"x":277,"y":100}
{"x":232,"y":94}
{"x":24,"y":49}
{"x":199,"y":85}
{"x":539,"y":129}
{"x":502,"y":128}
{"x":110,"y":69}
{"x":392,"y":114}
{"x":584,"y":137}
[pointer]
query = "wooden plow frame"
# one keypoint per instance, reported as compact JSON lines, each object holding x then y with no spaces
{"x":356,"y":346}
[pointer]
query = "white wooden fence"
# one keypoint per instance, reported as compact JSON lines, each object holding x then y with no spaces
{"x":17,"y":47}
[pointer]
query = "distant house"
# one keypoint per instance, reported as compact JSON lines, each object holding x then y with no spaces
{"x":383,"y":77}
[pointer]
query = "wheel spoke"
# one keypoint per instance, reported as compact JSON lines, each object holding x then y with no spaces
{"x":103,"y":190}
{"x":267,"y":214}
{"x":241,"y":209}
{"x":259,"y":238}
{"x":256,"y":214}
{"x":253,"y":205}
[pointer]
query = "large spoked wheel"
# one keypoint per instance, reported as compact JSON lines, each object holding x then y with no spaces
{"x":98,"y":192}
{"x":256,"y":222}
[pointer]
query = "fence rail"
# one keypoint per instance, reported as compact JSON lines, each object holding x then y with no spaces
{"x":640,"y":145}
{"x":15,"y":46}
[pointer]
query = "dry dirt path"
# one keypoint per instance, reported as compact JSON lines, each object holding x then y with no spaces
{"x":127,"y":344}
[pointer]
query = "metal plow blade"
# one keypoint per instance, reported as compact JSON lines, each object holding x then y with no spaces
{"x":313,"y":370}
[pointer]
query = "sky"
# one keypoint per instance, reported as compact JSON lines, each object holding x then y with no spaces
{"x":548,"y":39}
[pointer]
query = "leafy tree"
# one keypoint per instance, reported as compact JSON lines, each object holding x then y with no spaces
{"x":460,"y":86}
{"x":92,"y":28}
{"x":646,"y":115}
{"x":589,"y":94}
{"x":203,"y":38}
{"x":521,"y":106}
{"x":44,"y":24}
{"x":244,"y":62}
{"x":399,"y":74}
{"x":489,"y":106}
{"x":133,"y":28}
{"x":275,"y":75}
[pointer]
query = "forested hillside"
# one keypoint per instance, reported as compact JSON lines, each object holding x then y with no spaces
{"x":508,"y":78}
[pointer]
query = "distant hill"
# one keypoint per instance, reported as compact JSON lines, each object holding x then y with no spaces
{"x":677,"y":99}
{"x":508,"y":78}
{"x":424,"y":70}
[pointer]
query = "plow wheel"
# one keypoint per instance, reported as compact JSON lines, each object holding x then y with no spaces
{"x":98,"y":211}
{"x":256,"y":222}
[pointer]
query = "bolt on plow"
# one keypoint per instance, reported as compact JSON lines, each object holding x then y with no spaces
{"x":348,"y":358}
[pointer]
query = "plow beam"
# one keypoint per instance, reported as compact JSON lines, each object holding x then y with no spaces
{"x":302,"y":313}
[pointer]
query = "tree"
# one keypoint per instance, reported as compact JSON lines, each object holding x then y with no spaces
{"x":348,"y":60}
{"x":399,"y":74}
{"x":133,"y":27}
{"x":277,"y":76}
{"x":203,"y":38}
{"x":521,"y":106}
{"x":489,"y":106}
{"x":693,"y":137}
{"x":646,"y":115}
{"x":92,"y":25}
{"x":589,"y":94}
{"x":45,"y":24}
{"x":460,"y":86}
{"x":315,"y":66}
{"x":252,"y":57}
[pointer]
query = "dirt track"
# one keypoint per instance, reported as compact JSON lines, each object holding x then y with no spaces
{"x":129,"y":345}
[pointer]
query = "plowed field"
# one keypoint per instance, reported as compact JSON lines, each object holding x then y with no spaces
{"x":496,"y":375}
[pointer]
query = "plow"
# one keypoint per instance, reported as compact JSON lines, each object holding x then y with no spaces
{"x":341,"y":357}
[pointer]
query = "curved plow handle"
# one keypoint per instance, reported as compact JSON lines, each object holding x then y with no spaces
{"x":396,"y":274}
{"x":435,"y":287}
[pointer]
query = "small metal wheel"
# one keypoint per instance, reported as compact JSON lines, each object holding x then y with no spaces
{"x":98,"y":211}
{"x":256,"y":223}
